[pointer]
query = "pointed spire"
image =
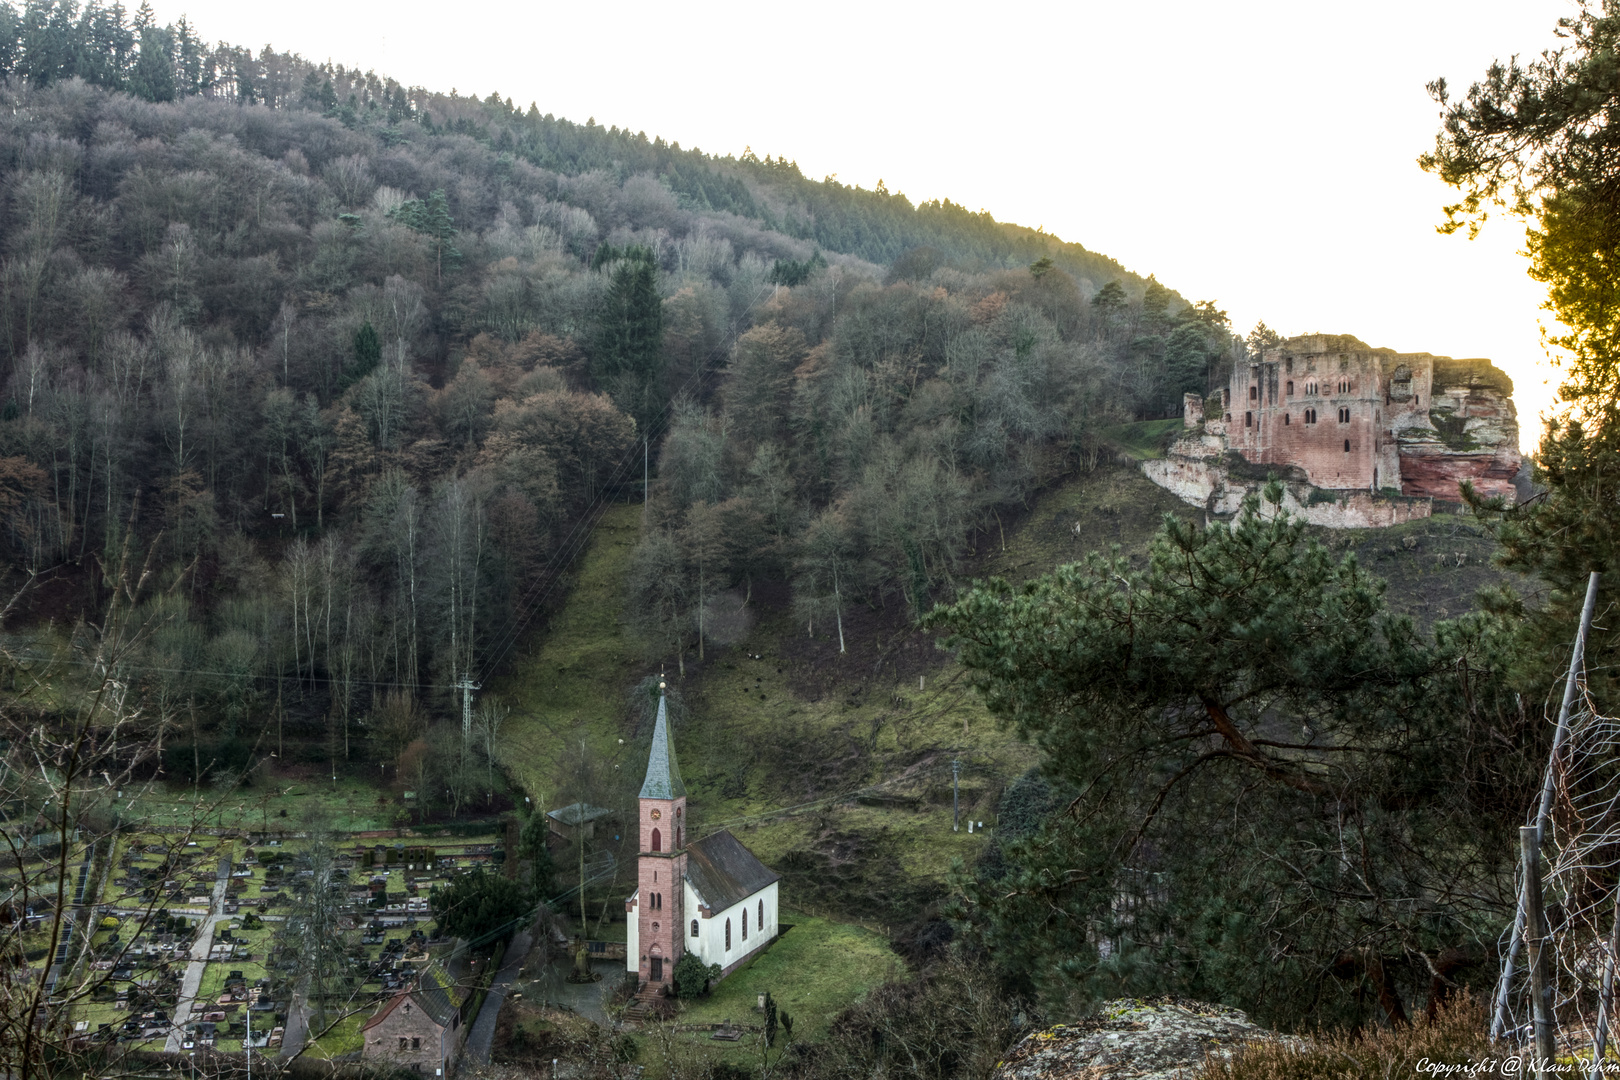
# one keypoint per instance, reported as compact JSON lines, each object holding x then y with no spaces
{"x":663,"y":773}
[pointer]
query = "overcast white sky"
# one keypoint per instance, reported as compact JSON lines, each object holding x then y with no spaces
{"x":1261,"y":154}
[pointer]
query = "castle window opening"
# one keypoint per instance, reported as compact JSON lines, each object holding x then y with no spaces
{"x":1290,"y":387}
{"x":1248,"y":419}
{"x":1310,"y":416}
{"x":1347,"y":446}
{"x":1254,"y":393}
{"x":1285,"y":419}
{"x":1310,"y":388}
{"x":416,"y":1043}
{"x":1344,"y":416}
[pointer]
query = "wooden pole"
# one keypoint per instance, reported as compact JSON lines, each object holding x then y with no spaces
{"x":1535,"y":933}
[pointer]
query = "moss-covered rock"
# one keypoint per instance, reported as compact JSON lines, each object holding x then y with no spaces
{"x":1131,"y":1039}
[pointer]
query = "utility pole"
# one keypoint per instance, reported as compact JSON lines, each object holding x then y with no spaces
{"x":466,"y":686}
{"x":579,"y":830}
{"x":956,"y":773}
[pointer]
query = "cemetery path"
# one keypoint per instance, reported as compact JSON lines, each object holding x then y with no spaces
{"x":292,"y":1040}
{"x":192,"y":980}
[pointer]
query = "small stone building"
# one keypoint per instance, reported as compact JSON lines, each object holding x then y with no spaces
{"x":418,"y":1029}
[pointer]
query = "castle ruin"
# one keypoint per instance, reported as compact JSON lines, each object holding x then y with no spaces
{"x":1359,"y":436}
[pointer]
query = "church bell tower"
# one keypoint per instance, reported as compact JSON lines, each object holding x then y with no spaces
{"x":661,"y":867}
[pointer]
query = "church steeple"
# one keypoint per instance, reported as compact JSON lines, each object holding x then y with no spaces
{"x":663,"y":772}
{"x":660,"y":901}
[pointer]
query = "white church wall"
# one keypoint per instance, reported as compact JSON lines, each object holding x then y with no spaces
{"x":710,"y":942}
{"x":632,"y":934}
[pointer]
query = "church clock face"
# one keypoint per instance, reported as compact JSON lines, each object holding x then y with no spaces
{"x":656,"y":814}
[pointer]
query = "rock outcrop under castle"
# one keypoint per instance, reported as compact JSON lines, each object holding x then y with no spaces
{"x":1359,"y":436}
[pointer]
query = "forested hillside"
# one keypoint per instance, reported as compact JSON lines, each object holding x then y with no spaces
{"x":359,"y":362}
{"x":314,"y":388}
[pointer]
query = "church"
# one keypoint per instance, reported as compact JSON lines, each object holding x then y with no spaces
{"x":710,"y":897}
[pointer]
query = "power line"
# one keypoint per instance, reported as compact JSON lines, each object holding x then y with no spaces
{"x":129,"y":666}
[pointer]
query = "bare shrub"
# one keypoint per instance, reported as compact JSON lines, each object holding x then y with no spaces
{"x":1455,"y":1035}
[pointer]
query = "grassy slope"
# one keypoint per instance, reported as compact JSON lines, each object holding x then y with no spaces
{"x":775,"y":746}
{"x":835,"y":769}
{"x":812,"y":972}
{"x":572,"y":685}
{"x":1146,"y":438}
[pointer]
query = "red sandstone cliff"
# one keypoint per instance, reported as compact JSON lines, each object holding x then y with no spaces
{"x":1472,"y":434}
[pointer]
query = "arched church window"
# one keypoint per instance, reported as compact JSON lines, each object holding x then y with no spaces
{"x":694,"y":928}
{"x":728,"y":935}
{"x":762,"y":914}
{"x":677,"y":838}
{"x":745,"y":924}
{"x":657,"y":841}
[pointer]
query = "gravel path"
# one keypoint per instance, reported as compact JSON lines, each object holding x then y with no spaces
{"x":192,"y":981}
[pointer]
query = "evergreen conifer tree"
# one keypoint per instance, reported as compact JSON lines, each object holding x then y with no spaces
{"x":430,"y":216}
{"x":153,"y":77}
{"x":630,"y":337}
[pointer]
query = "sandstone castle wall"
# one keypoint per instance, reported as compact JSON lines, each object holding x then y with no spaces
{"x":1361,"y":436}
